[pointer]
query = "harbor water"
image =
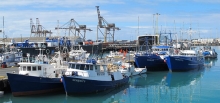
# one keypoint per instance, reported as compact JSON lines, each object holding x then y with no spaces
{"x":198,"y":86}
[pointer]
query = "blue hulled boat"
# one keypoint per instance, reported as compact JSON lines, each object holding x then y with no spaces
{"x":81,"y":78}
{"x":154,"y":61}
{"x":28,"y":85}
{"x":37,"y":77}
{"x":185,"y":60}
{"x":209,"y":53}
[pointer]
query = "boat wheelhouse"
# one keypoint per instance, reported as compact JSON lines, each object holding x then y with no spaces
{"x":81,"y":78}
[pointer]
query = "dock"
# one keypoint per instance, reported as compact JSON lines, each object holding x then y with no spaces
{"x":4,"y":84}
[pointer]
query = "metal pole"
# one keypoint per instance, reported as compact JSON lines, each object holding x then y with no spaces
{"x":97,"y":34}
{"x":21,"y":37}
{"x":138,"y":25}
{"x":3,"y":34}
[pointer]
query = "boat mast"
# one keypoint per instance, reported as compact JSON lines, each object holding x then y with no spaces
{"x":3,"y":35}
{"x":156,"y":28}
{"x":138,"y":25}
{"x":138,"y":34}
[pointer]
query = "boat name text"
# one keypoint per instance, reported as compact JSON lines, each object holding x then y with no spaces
{"x":76,"y":80}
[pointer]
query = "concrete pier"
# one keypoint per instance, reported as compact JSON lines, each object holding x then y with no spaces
{"x":4,"y":84}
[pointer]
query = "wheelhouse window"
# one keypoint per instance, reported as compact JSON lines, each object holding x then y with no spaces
{"x":70,"y":65}
{"x":24,"y":68}
{"x":39,"y":67}
{"x":77,"y":66}
{"x":97,"y":67}
{"x":73,"y":66}
{"x":28,"y":68}
{"x":34,"y":68}
{"x":86,"y":67}
{"x":82,"y":67}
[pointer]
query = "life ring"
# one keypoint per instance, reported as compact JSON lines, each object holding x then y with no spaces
{"x":47,"y":51}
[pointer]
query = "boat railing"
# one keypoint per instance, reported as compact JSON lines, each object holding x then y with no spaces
{"x":26,"y":59}
{"x":32,"y":60}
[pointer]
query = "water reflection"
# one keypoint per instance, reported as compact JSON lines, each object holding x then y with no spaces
{"x":109,"y":96}
{"x":145,"y":80}
{"x":178,"y":79}
{"x":167,"y":86}
{"x":116,"y":95}
{"x":209,"y":63}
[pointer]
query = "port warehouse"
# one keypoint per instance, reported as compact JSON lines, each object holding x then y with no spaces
{"x":205,"y":40}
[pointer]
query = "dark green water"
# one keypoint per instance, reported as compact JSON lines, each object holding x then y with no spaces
{"x":199,"y":86}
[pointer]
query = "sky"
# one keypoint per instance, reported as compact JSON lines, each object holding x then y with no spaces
{"x":133,"y":17}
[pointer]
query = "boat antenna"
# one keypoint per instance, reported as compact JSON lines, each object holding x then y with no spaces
{"x":137,"y":35}
{"x":28,"y":55}
{"x":138,"y":25}
{"x":3,"y":35}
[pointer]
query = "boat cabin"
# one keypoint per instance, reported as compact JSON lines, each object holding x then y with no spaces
{"x":86,"y":69}
{"x":41,"y":70}
{"x":162,"y":50}
{"x":188,"y":52}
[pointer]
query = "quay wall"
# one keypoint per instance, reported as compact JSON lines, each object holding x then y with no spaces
{"x":4,"y":85}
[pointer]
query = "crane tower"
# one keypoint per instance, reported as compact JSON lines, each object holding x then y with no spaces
{"x":109,"y":28}
{"x":74,"y":28}
{"x":38,"y":30}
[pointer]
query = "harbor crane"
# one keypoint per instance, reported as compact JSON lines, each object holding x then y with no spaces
{"x":109,"y":28}
{"x":38,"y":30}
{"x":73,"y":27}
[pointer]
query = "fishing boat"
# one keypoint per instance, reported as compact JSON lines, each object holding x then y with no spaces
{"x":153,"y":57}
{"x":208,"y":52}
{"x":185,"y":60}
{"x":129,"y":69}
{"x":37,"y":76}
{"x":78,"y":54}
{"x":89,"y":77}
{"x":154,"y":60}
{"x":115,"y":54}
{"x":11,"y":58}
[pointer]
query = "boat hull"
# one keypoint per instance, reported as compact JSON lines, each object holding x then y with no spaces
{"x":75,"y":85}
{"x":29,"y":85}
{"x":184,"y":63}
{"x":151,"y":62}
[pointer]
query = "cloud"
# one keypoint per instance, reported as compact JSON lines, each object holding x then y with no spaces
{"x":55,"y":3}
{"x":17,"y":16}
